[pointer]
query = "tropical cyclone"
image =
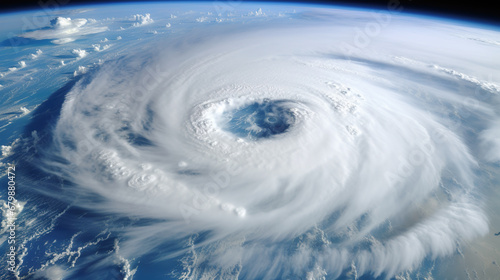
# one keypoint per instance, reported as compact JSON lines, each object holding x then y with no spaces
{"x":375,"y":173}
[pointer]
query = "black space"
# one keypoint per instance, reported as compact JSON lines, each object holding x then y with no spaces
{"x":482,"y":11}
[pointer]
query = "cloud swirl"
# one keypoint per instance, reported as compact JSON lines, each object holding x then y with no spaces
{"x":272,"y":155}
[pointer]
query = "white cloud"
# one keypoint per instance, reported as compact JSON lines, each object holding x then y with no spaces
{"x":80,"y":53}
{"x":36,"y":54}
{"x":142,"y":19}
{"x":257,"y":13}
{"x":54,"y":272}
{"x":370,"y":177}
{"x":7,"y":149}
{"x":490,"y":139}
{"x":63,"y":30}
{"x":97,"y":47}
{"x":168,"y":25}
{"x":81,"y":70}
{"x":63,"y":41}
{"x":119,"y":38}
{"x":202,"y":19}
{"x":24,"y":111}
{"x":22,"y":64}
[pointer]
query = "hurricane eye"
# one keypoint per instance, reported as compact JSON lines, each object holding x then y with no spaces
{"x":259,"y":120}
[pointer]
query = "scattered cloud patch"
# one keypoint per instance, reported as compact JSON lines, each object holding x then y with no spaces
{"x":202,"y":19}
{"x":119,"y":38}
{"x":98,"y":48}
{"x":6,"y":150}
{"x":64,"y":30}
{"x":168,"y":25}
{"x":80,"y":70}
{"x":140,"y":20}
{"x":80,"y":53}
{"x":257,"y":13}
{"x":54,"y":272}
{"x":24,"y":111}
{"x":22,"y":64}
{"x":63,"y":41}
{"x":36,"y":54}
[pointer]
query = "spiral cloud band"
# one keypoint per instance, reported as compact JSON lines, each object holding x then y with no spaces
{"x":321,"y":147}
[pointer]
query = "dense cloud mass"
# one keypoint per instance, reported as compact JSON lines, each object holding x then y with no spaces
{"x":274,"y":151}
